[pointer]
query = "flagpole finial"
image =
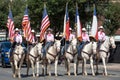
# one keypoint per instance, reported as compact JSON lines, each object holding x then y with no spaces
{"x":44,"y":4}
{"x":9,"y":7}
{"x":26,"y":3}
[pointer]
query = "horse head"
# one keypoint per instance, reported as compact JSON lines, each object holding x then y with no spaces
{"x":39,"y":48}
{"x":74,"y":43}
{"x":57,"y":45}
{"x":112,"y":42}
{"x":19,"y":49}
{"x":94,"y":47}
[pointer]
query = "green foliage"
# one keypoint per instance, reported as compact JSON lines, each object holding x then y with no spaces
{"x":111,"y":13}
{"x":56,"y":12}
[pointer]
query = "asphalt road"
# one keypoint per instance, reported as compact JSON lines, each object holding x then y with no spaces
{"x":113,"y":74}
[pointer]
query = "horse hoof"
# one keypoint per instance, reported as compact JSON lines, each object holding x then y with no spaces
{"x":49,"y":74}
{"x":19,"y":77}
{"x":75,"y":74}
{"x":93,"y":74}
{"x":68,"y":74}
{"x":84,"y":74}
{"x":105,"y":74}
{"x":33,"y":75}
{"x":37,"y":75}
{"x":13,"y":76}
{"x":56,"y":75}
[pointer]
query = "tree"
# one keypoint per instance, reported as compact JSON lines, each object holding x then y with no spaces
{"x":56,"y":12}
{"x":111,"y":16}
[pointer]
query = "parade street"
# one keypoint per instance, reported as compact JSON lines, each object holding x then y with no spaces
{"x":113,"y":73}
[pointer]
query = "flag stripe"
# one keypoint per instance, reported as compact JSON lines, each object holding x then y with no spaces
{"x":44,"y":24}
{"x":94,"y":29}
{"x":26,"y":26}
{"x":10,"y":26}
{"x":78,"y":23}
{"x":66,"y":24}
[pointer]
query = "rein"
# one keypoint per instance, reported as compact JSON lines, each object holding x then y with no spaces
{"x":87,"y":52}
{"x":105,"y":47}
{"x":34,"y":56}
{"x":54,"y":56}
{"x":18,"y":54}
{"x":73,"y":53}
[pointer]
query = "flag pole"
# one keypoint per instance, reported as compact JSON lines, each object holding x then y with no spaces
{"x":65,"y":26}
{"x":26,"y":36}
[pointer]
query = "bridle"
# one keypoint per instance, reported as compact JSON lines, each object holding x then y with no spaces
{"x":35,"y":57}
{"x":55,"y":47}
{"x":106,"y":47}
{"x":73,"y":53}
{"x":16,"y":53}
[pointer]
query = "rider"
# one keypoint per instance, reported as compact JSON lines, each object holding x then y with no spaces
{"x":49,"y":40}
{"x":17,"y":40}
{"x":101,"y":36}
{"x":34,"y":39}
{"x":66,"y":43}
{"x":85,"y":39}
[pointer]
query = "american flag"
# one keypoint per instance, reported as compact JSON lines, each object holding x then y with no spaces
{"x":10,"y":26}
{"x":26,"y":26}
{"x":78,"y":24}
{"x":66,"y":24}
{"x":44,"y":24}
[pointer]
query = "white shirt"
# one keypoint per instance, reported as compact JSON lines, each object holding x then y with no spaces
{"x":72,"y":36}
{"x":101,"y":36}
{"x":18,"y":38}
{"x":49,"y":37}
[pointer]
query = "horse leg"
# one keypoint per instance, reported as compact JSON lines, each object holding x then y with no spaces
{"x":49,"y":68}
{"x":37,"y":65}
{"x":56,"y":63}
{"x":13,"y":69}
{"x":33,"y":68}
{"x":68,"y":68}
{"x":91,"y":64}
{"x":104,"y":65}
{"x":75,"y":68}
{"x":28,"y":66}
{"x":97,"y":62}
{"x":43,"y":67}
{"x":46,"y":68}
{"x":84,"y":67}
{"x":21,"y":62}
{"x":16,"y":68}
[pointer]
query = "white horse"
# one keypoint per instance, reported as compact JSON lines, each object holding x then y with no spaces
{"x":70,"y":55}
{"x":18,"y":58}
{"x":34,"y":56}
{"x":87,"y":53}
{"x":103,"y":53}
{"x":52,"y":55}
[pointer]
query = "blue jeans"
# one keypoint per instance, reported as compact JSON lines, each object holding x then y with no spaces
{"x":99,"y":44}
{"x":80,"y":47}
{"x":47,"y":45}
{"x":64,"y":48}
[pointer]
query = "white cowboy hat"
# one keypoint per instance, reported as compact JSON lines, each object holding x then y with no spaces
{"x":49,"y":29}
{"x":70,"y":29}
{"x":33,"y":31}
{"x":83,"y":29}
{"x":16,"y":29}
{"x":101,"y":27}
